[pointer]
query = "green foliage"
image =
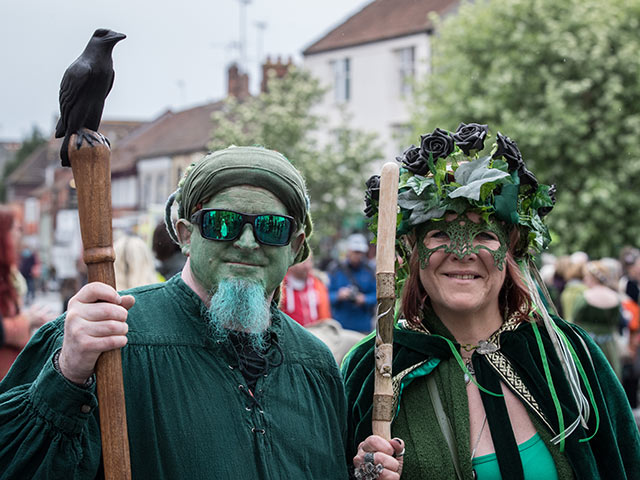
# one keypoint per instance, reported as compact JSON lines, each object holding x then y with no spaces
{"x":282,"y":119}
{"x":29,"y":145}
{"x":562,"y":78}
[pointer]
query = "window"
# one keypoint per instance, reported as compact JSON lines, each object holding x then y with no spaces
{"x":145,"y":196}
{"x":341,"y":80}
{"x":406,"y":69}
{"x":161,"y":188}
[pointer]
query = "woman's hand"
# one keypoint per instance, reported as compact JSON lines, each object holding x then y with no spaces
{"x":95,"y":323}
{"x":374,"y":451}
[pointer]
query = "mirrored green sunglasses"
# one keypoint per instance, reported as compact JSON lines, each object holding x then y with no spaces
{"x":227,"y":225}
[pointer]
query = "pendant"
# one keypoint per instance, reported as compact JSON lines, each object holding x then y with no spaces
{"x":469,"y":365}
{"x":485,"y":347}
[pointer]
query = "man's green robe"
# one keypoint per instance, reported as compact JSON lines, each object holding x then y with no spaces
{"x":614,"y":451}
{"x":189,"y":413}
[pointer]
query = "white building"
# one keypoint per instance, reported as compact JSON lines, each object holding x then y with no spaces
{"x":369,"y":63}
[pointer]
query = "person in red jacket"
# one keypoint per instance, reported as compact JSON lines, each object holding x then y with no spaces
{"x":304,"y":296}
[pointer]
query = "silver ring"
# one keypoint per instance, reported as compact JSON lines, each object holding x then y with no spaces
{"x":398,"y":455}
{"x":368,"y":457}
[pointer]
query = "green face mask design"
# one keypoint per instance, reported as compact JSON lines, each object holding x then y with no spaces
{"x":463,"y":237}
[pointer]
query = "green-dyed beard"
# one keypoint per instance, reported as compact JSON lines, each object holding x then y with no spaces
{"x":462,"y":232}
{"x":239,"y":306}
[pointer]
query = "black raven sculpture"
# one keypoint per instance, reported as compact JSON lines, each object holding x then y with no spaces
{"x":84,"y":87}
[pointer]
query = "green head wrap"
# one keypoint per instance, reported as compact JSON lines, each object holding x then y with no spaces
{"x":235,"y":166}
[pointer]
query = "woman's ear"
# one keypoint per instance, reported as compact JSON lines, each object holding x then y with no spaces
{"x":184,"y":230}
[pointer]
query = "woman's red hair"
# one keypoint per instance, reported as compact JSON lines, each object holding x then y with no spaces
{"x":8,"y":261}
{"x":517,"y":296}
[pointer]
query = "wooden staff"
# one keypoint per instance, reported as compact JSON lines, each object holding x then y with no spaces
{"x":91,"y":167}
{"x":385,"y":293}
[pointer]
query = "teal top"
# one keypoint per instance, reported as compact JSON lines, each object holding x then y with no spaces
{"x":189,"y":415}
{"x":536,"y":462}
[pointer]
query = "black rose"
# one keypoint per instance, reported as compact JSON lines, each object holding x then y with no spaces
{"x":527,"y":178}
{"x":544,"y":211}
{"x":372,"y":194}
{"x":508,"y":149}
{"x":438,"y":143}
{"x":470,"y":137}
{"x":413,"y":161}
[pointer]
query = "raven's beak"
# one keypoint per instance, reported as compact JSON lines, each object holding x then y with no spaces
{"x":115,"y":37}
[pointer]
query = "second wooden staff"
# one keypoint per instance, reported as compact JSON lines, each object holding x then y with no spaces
{"x":385,"y":294}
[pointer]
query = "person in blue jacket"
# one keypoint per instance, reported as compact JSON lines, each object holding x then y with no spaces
{"x":352,"y":287}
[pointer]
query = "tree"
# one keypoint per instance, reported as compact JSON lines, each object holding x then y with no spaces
{"x":29,"y":145}
{"x":282,"y":119}
{"x":562,"y":78}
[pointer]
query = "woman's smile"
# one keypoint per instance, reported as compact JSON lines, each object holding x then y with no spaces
{"x":462,"y":275}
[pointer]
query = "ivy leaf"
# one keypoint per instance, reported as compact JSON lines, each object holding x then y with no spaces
{"x":542,"y":198}
{"x":466,"y":169}
{"x":405,"y":176}
{"x":543,"y":238}
{"x":486,"y":190}
{"x":500,"y":164}
{"x":473,"y":175}
{"x":506,"y":204}
{"x":458,"y":205}
{"x":418,"y":183}
{"x":422,"y":215}
{"x":423,"y":207}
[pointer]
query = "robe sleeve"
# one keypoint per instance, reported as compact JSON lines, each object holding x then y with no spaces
{"x":48,"y":426}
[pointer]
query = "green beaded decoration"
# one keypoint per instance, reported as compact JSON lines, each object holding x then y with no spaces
{"x":458,"y":237}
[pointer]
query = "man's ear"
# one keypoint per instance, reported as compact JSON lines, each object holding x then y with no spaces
{"x":183,"y":230}
{"x":296,"y":244}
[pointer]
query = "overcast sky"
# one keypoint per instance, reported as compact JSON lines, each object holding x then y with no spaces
{"x":175,"y":54}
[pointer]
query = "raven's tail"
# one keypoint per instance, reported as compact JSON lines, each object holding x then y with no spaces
{"x":64,"y":152}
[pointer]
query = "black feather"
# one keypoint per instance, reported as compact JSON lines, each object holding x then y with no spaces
{"x":84,"y":88}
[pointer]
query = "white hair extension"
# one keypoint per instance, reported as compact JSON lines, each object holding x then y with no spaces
{"x":564,"y":354}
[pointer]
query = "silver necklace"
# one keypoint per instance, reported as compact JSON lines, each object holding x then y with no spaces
{"x":477,"y":442}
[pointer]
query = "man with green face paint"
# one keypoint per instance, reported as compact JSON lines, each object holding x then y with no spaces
{"x":219,"y":383}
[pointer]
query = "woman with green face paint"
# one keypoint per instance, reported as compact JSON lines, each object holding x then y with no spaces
{"x":488,"y":382}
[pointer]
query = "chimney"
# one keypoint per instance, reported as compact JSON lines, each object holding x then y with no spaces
{"x":277,"y":70}
{"x":238,"y":83}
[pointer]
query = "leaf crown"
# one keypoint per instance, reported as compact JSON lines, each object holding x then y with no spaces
{"x":447,"y":173}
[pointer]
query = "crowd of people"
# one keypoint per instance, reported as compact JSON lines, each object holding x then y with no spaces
{"x":601,"y":296}
{"x":230,"y":347}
